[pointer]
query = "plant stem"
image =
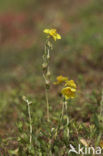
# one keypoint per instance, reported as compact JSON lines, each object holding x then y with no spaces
{"x":62,"y":109}
{"x":66,"y":107}
{"x":46,"y":59}
{"x":29,"y":113}
{"x":47,"y":102}
{"x":64,"y":112}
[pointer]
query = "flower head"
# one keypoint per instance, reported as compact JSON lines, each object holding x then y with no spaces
{"x":71,"y":84}
{"x":68,"y":92}
{"x":53,"y":33}
{"x":60,"y":79}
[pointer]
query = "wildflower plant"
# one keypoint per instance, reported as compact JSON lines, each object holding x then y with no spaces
{"x":51,"y":35}
{"x":29,"y":143}
{"x":68,"y":92}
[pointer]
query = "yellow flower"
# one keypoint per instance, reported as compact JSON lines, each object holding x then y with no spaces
{"x":60,"y":79}
{"x":71,"y":84}
{"x":68,"y":92}
{"x":52,"y":33}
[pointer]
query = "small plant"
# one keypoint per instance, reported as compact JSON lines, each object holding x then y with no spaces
{"x":68,"y":93}
{"x":51,"y":35}
{"x":25,"y":139}
{"x":29,"y":116}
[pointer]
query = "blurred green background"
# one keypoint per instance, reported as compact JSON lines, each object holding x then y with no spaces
{"x":21,"y":38}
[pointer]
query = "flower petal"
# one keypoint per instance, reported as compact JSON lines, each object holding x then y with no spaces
{"x":58,"y":36}
{"x":47,"y":31}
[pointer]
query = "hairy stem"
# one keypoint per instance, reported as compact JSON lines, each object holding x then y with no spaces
{"x":47,"y":102}
{"x":64,"y":112}
{"x":46,"y":75}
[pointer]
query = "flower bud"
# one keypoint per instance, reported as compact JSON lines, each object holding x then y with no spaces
{"x":44,"y":66}
{"x":47,"y":84}
{"x":48,"y":56}
{"x":49,"y":44}
{"x":48,"y":74}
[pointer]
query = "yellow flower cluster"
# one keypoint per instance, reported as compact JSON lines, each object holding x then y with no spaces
{"x":69,"y":90}
{"x":71,"y":84}
{"x":60,"y":79}
{"x":52,"y":33}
